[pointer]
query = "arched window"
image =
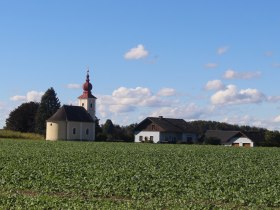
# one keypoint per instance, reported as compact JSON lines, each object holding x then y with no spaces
{"x":74,"y":131}
{"x":87,"y":131}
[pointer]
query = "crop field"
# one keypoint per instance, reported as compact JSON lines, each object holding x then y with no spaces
{"x":83,"y":175}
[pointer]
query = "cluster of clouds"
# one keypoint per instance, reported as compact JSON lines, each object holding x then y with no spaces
{"x":232,"y":74}
{"x":231,"y":95}
{"x":30,"y":96}
{"x":123,"y":101}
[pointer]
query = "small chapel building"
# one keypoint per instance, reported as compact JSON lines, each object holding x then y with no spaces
{"x":74,"y":122}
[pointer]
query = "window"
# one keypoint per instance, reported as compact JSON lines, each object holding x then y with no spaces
{"x":153,"y":127}
{"x":51,"y":124}
{"x":90,"y":105}
{"x":87,"y":131}
{"x":83,"y":104}
{"x":74,"y":131}
{"x":140,"y":138}
{"x":151,"y":138}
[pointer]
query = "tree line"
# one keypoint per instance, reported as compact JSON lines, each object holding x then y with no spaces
{"x":31,"y":117}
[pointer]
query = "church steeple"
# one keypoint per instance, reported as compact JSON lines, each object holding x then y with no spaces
{"x":87,"y":100}
{"x":87,"y":87}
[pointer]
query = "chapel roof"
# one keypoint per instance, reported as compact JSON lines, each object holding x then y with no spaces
{"x":71,"y":113}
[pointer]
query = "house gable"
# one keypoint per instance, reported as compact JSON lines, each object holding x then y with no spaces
{"x":163,"y":125}
{"x":148,"y":125}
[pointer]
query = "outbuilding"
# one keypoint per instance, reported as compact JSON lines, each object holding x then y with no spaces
{"x":230,"y":138}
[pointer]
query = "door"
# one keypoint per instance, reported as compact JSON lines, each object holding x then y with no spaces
{"x":235,"y":144}
{"x":246,"y":145}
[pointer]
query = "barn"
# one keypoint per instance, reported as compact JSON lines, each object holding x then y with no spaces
{"x":230,"y":138}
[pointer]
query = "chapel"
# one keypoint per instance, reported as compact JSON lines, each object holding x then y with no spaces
{"x":74,"y":122}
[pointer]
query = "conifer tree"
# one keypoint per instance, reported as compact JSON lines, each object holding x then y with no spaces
{"x":48,"y":106}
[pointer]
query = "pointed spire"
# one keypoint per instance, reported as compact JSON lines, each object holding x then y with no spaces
{"x":87,"y":74}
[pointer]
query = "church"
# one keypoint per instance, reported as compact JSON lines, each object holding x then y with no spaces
{"x":74,"y":122}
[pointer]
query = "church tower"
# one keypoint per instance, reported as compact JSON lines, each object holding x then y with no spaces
{"x":87,"y":100}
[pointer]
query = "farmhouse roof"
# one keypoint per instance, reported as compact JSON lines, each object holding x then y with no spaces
{"x":224,"y":136}
{"x":167,"y":124}
{"x":71,"y":113}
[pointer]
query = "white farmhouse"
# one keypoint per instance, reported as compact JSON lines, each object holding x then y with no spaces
{"x":74,"y":122}
{"x":164,"y":130}
{"x":230,"y":138}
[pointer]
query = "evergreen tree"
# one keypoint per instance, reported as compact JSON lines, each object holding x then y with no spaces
{"x":23,"y":118}
{"x":48,"y":106}
{"x":108,"y":129}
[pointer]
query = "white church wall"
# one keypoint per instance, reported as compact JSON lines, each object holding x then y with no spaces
{"x":56,"y":131}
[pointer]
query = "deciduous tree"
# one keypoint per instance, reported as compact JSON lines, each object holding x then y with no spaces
{"x":23,"y":118}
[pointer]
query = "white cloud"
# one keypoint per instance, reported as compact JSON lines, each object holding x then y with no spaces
{"x":231,"y":74}
{"x":125,"y":100}
{"x":136,"y":53}
{"x":245,"y":120}
{"x":268,"y":53}
{"x":189,"y":111}
{"x":273,"y":99}
{"x":18,"y":98}
{"x":131,"y":92}
{"x":74,"y":86}
{"x":30,"y":96}
{"x":214,"y":85}
{"x":231,"y":95}
{"x":277,"y":119}
{"x":222,"y":50}
{"x":276,"y":65}
{"x":167,"y":92}
{"x":211,"y":65}
{"x":2,"y":105}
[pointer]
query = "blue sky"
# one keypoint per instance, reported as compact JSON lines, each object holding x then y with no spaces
{"x":191,"y":59}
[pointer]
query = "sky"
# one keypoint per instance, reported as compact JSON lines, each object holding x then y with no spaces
{"x":191,"y":59}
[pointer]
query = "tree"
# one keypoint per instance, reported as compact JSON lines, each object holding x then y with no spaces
{"x":23,"y":118}
{"x":48,"y":106}
{"x":272,"y":138}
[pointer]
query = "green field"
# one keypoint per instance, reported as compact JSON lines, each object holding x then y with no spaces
{"x":83,"y":175}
